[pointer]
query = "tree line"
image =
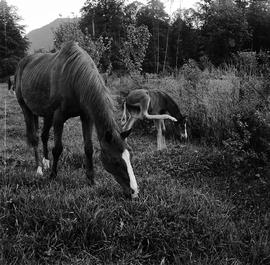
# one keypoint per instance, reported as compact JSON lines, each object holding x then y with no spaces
{"x":144,"y":37}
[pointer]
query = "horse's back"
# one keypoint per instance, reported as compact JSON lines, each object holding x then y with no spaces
{"x":33,"y":82}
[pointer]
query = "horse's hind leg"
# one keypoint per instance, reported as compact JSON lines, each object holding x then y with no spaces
{"x":58,"y":124}
{"x":87,"y":128}
{"x":45,"y":137}
{"x":31,"y":122}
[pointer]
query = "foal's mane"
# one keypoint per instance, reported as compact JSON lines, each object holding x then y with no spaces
{"x":82,"y":75}
{"x":172,"y":107}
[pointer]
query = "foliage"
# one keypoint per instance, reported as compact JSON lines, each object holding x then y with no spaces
{"x":215,"y":29}
{"x":134,"y":48}
{"x":13,"y":44}
{"x":156,"y":19}
{"x":224,"y":30}
{"x":258,"y":16}
{"x":71,"y":31}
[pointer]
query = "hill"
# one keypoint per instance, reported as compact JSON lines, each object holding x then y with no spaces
{"x":42,"y":38}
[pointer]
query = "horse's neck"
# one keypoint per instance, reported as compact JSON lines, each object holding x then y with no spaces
{"x":100,"y":110}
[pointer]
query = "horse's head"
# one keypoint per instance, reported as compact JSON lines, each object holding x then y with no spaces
{"x":116,"y":160}
{"x":181,"y":130}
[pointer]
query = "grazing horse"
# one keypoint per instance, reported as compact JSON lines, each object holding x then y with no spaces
{"x":9,"y":80}
{"x":65,"y":84}
{"x":11,"y":85}
{"x":153,"y":105}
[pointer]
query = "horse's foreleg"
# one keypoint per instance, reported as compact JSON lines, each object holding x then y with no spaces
{"x":45,"y":137}
{"x":58,"y":123}
{"x":87,"y":128}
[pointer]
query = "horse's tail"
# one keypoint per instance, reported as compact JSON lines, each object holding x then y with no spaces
{"x":9,"y":83}
{"x":124,"y":116}
{"x":31,"y":120}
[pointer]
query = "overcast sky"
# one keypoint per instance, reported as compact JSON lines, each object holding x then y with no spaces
{"x":37,"y":13}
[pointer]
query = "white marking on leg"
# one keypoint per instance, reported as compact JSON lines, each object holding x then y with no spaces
{"x":46,"y":163}
{"x":39,"y":171}
{"x":133,"y":182}
{"x":186,"y":136}
{"x":173,"y":119}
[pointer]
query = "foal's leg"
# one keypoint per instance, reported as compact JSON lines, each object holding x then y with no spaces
{"x":58,"y":123}
{"x":128,"y":126}
{"x":45,"y":137}
{"x":87,"y":128}
{"x":129,"y":123}
{"x":160,"y":140}
{"x":163,"y":130}
{"x":144,"y":110}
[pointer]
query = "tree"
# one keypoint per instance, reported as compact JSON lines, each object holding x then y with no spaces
{"x":70,"y":31}
{"x":153,"y":15}
{"x":106,"y":18}
{"x":134,"y":48}
{"x":13,"y":45}
{"x":258,"y":16}
{"x":224,"y":29}
{"x":184,"y":39}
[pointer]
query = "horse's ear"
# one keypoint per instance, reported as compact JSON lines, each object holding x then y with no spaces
{"x":108,"y":136}
{"x":125,"y":134}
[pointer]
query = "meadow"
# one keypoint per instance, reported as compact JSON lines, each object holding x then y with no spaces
{"x":199,"y":203}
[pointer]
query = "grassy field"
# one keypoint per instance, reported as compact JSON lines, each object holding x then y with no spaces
{"x":194,"y":206}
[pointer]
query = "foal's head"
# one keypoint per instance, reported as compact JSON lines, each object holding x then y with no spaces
{"x":116,"y":160}
{"x":182,"y":128}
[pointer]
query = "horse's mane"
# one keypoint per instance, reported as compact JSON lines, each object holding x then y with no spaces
{"x":172,"y":107}
{"x":82,"y":74}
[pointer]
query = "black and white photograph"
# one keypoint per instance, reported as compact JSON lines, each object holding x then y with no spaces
{"x":135,"y":132}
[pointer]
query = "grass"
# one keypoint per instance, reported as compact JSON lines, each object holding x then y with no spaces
{"x":194,"y":207}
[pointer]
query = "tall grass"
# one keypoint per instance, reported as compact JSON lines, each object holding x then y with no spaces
{"x":212,"y":98}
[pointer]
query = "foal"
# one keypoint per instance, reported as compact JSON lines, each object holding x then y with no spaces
{"x":153,"y":105}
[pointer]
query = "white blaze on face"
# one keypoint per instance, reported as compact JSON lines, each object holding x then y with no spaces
{"x":39,"y":171}
{"x":133,"y":182}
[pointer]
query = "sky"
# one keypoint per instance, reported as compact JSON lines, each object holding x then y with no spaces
{"x":37,"y":13}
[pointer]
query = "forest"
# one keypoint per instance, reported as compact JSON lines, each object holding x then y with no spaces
{"x":146,"y":36}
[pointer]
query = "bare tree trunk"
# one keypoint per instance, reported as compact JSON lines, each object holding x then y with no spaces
{"x":177,"y":52}
{"x":166,"y":49}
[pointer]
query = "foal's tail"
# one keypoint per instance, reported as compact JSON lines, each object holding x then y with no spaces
{"x":124,"y":116}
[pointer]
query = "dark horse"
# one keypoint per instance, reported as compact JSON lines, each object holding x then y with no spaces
{"x":65,"y":84}
{"x":153,"y":105}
